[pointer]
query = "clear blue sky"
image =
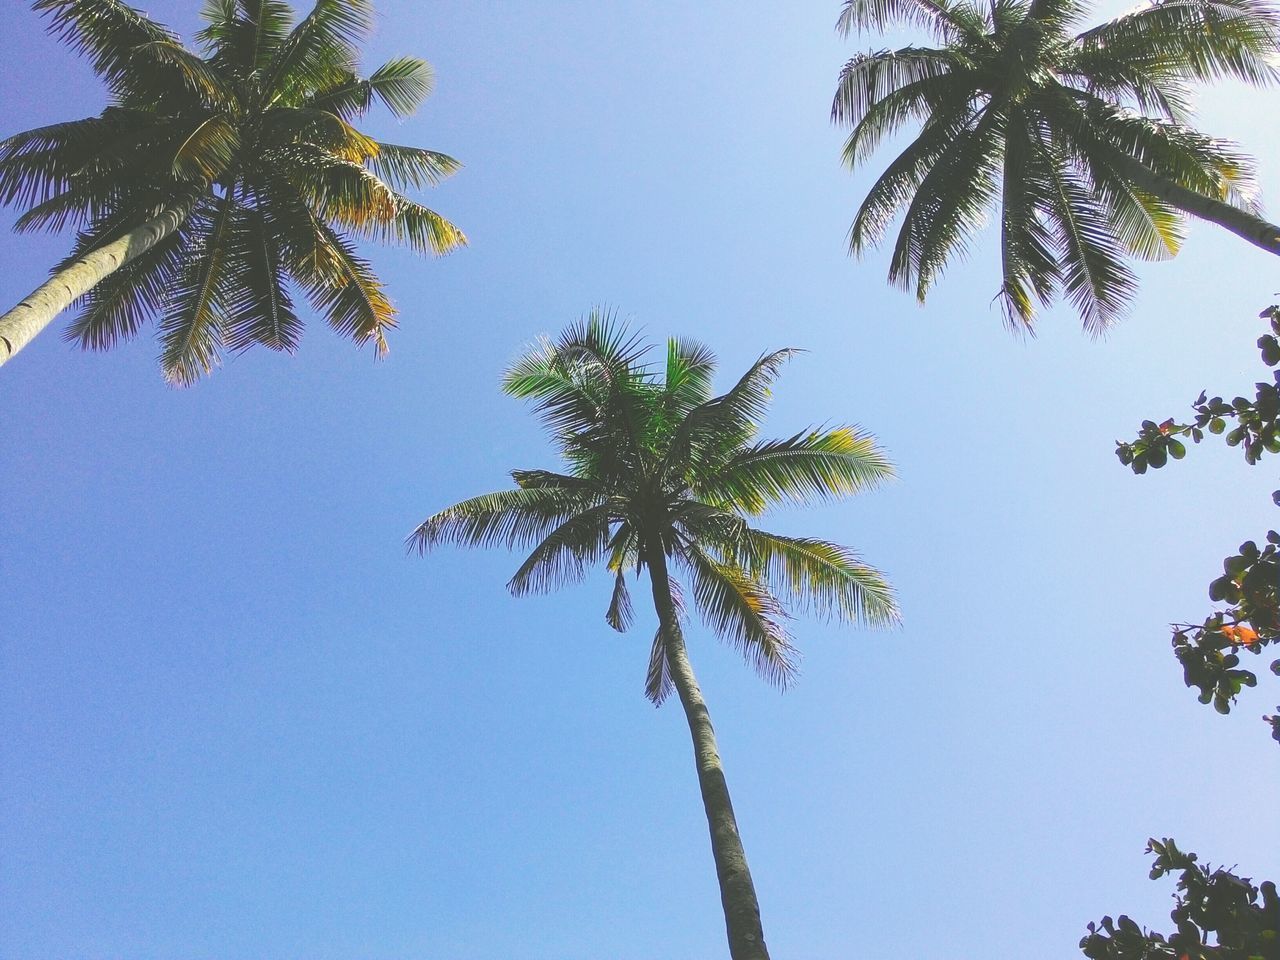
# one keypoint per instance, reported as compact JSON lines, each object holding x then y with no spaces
{"x":236,"y":721}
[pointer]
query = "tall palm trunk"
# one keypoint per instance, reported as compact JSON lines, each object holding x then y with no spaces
{"x":1240,"y":222}
{"x":737,"y":892}
{"x":20,"y":325}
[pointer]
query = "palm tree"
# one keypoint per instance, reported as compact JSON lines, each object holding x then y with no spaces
{"x":658,"y":470}
{"x":1082,"y":139}
{"x":214,"y":187}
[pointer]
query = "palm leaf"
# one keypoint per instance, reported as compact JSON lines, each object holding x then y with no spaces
{"x":508,"y":518}
{"x":896,"y":187}
{"x":149,"y":87}
{"x":1028,"y":258}
{"x":1094,"y":275}
{"x":191,"y":332}
{"x":411,"y":167}
{"x":826,"y":578}
{"x":320,"y":48}
{"x":1197,"y":39}
{"x":107,"y":32}
{"x":943,"y":19}
{"x":242,"y":35}
{"x":740,"y":609}
{"x":813,"y":465}
{"x":950,"y":204}
{"x":869,"y":78}
{"x":892,"y":111}
{"x":657,"y":681}
{"x":261,"y":309}
{"x":619,"y":615}
{"x":208,"y":151}
{"x":725,"y":422}
{"x":563,"y":555}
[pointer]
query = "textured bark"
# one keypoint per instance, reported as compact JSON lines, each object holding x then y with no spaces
{"x":737,"y":892}
{"x":20,"y":325}
{"x":1240,"y":222}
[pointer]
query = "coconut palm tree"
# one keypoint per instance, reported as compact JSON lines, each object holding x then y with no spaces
{"x":214,"y":187}
{"x":1082,"y":139}
{"x":660,"y":473}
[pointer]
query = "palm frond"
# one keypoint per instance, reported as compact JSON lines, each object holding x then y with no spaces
{"x":724,"y":423}
{"x":816,"y":575}
{"x":896,"y":187}
{"x":401,"y":84}
{"x":242,"y":35}
{"x":39,"y":164}
{"x":591,"y":390}
{"x":1148,"y":227}
{"x":1140,"y":78}
{"x":1058,"y":15}
{"x":549,"y":480}
{"x":944,"y":20}
{"x":1027,"y":247}
{"x":79,"y":204}
{"x":317,"y":135}
{"x":563,"y":555}
{"x":950,"y":204}
{"x":657,"y":681}
{"x":260,"y":309}
{"x":343,"y":287}
{"x":1197,"y":39}
{"x":813,"y":465}
{"x":319,"y":49}
{"x":508,"y":518}
{"x":411,"y":167}
{"x":887,"y":115}
{"x":686,"y":385}
{"x":107,"y":32}
{"x":208,"y":151}
{"x":1094,"y":275}
{"x":869,"y":78}
{"x":350,"y":195}
{"x":1208,"y":165}
{"x":740,"y":610}
{"x":173,"y":62}
{"x":419,"y":228}
{"x":192,"y":330}
{"x":619,"y":615}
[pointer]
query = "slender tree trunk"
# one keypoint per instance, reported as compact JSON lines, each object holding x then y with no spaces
{"x":20,"y":325}
{"x":737,"y":892}
{"x":1240,"y":222}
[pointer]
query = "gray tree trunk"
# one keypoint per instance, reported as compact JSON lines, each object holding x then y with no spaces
{"x":1240,"y":222}
{"x":737,"y":892}
{"x":20,"y":325}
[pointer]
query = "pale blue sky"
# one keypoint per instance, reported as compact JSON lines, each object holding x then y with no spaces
{"x":237,"y":722}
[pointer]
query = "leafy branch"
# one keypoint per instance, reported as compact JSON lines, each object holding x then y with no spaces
{"x":1241,"y":920}
{"x":1250,"y":583}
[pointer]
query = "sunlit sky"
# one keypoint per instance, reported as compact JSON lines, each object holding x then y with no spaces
{"x":236,"y":721}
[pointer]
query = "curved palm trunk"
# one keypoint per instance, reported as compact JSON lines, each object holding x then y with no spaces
{"x":737,"y":892}
{"x":1240,"y":222}
{"x":20,"y":325}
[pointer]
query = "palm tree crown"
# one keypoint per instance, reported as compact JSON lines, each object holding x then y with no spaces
{"x":250,"y":150}
{"x":659,"y":468}
{"x":1081,"y":138}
